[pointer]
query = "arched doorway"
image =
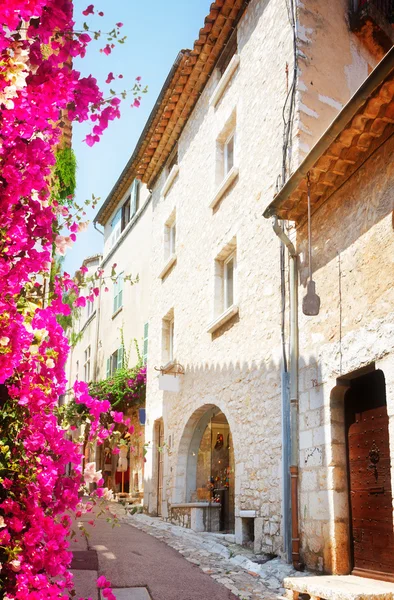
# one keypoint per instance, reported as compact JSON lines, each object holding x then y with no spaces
{"x":205,"y":474}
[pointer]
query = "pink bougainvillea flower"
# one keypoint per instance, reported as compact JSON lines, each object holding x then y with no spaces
{"x":119,"y":25}
{"x":102,"y":582}
{"x":115,"y":451}
{"x":107,"y":593}
{"x":117,"y":416}
{"x":89,"y":10}
{"x":110,"y":78}
{"x":81,"y":301}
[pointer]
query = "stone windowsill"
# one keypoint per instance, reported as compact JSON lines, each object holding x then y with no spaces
{"x":223,"y":318}
{"x":224,"y":80}
{"x":170,"y":262}
{"x":170,"y":180}
{"x":115,"y":314}
{"x":227,"y":181}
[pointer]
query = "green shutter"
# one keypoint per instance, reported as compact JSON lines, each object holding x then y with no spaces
{"x":120,"y":290}
{"x":119,"y":363}
{"x":134,"y":198}
{"x":145,"y":352}
{"x":108,"y":367}
{"x":115,"y":296}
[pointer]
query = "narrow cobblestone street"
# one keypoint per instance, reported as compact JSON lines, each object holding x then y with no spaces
{"x":172,"y":563}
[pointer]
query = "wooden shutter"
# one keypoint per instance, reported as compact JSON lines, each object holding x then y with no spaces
{"x":108,"y":367}
{"x":145,"y":351}
{"x":134,"y":197}
{"x":119,"y":362}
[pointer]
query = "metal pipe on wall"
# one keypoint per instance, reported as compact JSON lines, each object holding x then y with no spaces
{"x":294,"y":358}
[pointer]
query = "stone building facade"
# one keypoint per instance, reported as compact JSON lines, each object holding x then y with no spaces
{"x":213,"y":155}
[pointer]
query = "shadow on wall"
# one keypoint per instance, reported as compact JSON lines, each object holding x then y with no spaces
{"x":364,"y":200}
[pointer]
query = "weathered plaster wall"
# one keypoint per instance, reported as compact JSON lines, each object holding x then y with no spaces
{"x":353,"y":249}
{"x":132,"y":257}
{"x":333,"y":63}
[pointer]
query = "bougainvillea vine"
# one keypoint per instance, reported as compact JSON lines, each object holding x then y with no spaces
{"x":41,"y":470}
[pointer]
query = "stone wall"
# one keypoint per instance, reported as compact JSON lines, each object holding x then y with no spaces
{"x":353,"y":248}
{"x":238,"y":367}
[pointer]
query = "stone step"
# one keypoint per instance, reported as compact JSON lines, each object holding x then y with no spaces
{"x":337,"y":587}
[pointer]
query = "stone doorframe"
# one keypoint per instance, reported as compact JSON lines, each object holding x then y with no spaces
{"x":338,"y":557}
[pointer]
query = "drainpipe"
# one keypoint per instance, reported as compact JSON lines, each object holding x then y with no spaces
{"x":294,"y":355}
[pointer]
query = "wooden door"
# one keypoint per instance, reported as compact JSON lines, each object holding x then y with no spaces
{"x":370,"y":478}
{"x":160,"y":438}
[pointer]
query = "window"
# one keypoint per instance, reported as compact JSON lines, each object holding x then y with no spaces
{"x":171,"y":341}
{"x":173,"y":160}
{"x":226,"y":168}
{"x":225,"y":286}
{"x":168,"y":337}
{"x":145,"y":352}
{"x":172,"y":238}
{"x":86,"y":365}
{"x":126,"y":213}
{"x":228,"y":153}
{"x":116,"y":229}
{"x":118,"y":294}
{"x":169,"y":245}
{"x":115,"y":361}
{"x":132,"y":204}
{"x":228,"y":52}
{"x":228,"y":281}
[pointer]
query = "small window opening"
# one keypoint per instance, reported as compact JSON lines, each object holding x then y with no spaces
{"x":228,"y":151}
{"x":229,"y":267}
{"x":173,"y":159}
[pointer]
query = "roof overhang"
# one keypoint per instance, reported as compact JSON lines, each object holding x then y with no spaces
{"x":177,"y":99}
{"x":364,"y":123}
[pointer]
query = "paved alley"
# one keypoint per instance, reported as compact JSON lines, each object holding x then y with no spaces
{"x":172,"y":563}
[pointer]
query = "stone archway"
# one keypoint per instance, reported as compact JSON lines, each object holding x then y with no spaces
{"x":206,"y":433}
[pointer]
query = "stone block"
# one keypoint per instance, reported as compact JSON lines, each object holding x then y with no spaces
{"x":303,"y":402}
{"x":312,"y":419}
{"x":312,"y":457}
{"x":316,"y":397}
{"x":321,"y":436}
{"x":308,"y":480}
{"x":319,"y":506}
{"x":306,"y":439}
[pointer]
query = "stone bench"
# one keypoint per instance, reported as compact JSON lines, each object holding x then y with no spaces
{"x":198,"y":516}
{"x":337,"y":587}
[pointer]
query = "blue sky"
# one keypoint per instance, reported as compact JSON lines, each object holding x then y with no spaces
{"x":156,"y":31}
